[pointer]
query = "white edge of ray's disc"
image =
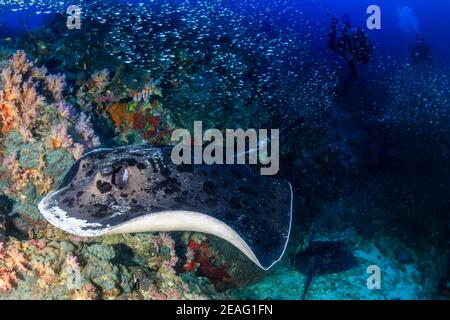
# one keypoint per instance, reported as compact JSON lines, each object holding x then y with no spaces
{"x":156,"y":222}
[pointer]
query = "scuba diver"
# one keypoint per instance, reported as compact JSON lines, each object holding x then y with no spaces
{"x":421,"y":52}
{"x":352,"y":44}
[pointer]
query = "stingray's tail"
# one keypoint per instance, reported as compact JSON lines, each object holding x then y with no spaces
{"x":309,"y":279}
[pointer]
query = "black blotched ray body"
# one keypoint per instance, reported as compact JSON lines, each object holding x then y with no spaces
{"x":324,"y":257}
{"x":251,"y":211}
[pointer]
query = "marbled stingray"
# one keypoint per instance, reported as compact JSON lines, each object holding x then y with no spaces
{"x":139,"y":189}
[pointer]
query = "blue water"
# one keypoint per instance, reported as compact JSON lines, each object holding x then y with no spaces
{"x":432,"y":22}
{"x":432,"y":17}
{"x":368,"y":158}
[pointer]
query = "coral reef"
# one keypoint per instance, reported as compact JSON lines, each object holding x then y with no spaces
{"x":24,"y":109}
{"x":41,"y":136}
{"x":85,"y":270}
{"x":399,"y":279}
{"x":93,"y":95}
{"x":135,"y":112}
{"x":150,"y":89}
{"x":37,"y":150}
{"x":219,"y":261}
{"x":19,"y":176}
{"x":55,"y":84}
{"x":367,"y":160}
{"x":12,"y":261}
{"x":137,"y":122}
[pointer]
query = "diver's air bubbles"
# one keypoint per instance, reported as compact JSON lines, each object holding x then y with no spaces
{"x":407,"y":21}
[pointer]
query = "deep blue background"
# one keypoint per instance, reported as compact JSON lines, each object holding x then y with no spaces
{"x":433,"y":19}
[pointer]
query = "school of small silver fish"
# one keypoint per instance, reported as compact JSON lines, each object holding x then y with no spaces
{"x":267,"y":47}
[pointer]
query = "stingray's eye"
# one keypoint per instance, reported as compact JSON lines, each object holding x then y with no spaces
{"x":121,"y":177}
{"x":107,"y":171}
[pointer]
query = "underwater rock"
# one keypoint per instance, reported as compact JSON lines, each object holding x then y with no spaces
{"x":41,"y":269}
{"x":58,"y":163}
{"x":11,"y":142}
{"x":220,"y":262}
{"x":5,"y":209}
{"x":48,"y":270}
{"x":41,"y":137}
{"x":32,"y":170}
{"x":29,"y":155}
{"x":111,"y":279}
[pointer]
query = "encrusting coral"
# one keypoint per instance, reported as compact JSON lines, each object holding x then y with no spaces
{"x":19,"y":177}
{"x":55,"y":84}
{"x":92,"y":95}
{"x":166,"y":258}
{"x":48,"y":269}
{"x":149,"y":90}
{"x":25,"y":108}
{"x":41,"y":135}
{"x":135,"y":113}
{"x":12,"y":262}
{"x":32,"y":104}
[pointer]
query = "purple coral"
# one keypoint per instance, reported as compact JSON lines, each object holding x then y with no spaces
{"x":84,"y":128}
{"x":66,"y":110}
{"x":55,"y":84}
{"x":165,"y":240}
{"x":21,"y":106}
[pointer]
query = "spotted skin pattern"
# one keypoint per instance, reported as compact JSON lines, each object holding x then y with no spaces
{"x":257,"y":208}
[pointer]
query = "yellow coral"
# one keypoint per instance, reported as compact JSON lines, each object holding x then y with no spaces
{"x":100,"y":80}
{"x":20,"y":177}
{"x":43,"y":184}
{"x":15,"y":259}
{"x":87,"y":292}
{"x":55,"y":84}
{"x":20,"y":62}
{"x":45,"y":273}
{"x":12,"y":261}
{"x":8,"y":114}
{"x":19,"y":101}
